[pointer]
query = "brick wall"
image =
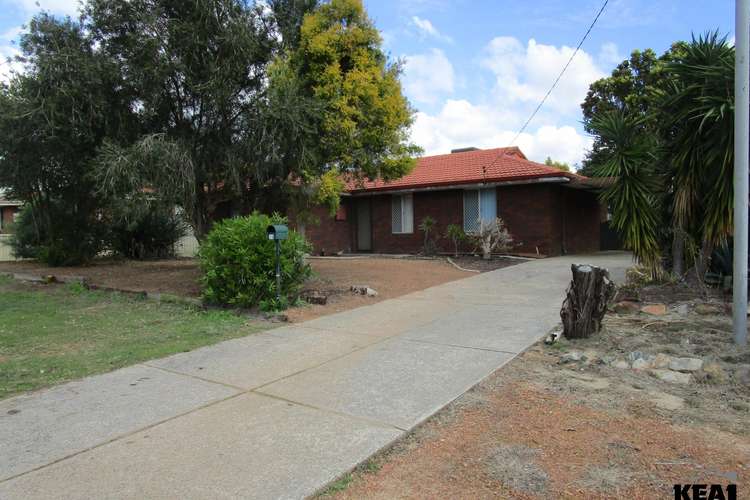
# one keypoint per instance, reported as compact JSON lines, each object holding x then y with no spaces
{"x":540,"y":217}
{"x":446,"y":207}
{"x":582,"y":221}
{"x":325,"y":233}
{"x":7,"y":218}
{"x":532,"y":215}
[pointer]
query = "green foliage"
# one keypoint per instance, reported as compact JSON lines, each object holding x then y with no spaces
{"x":329,"y":191}
{"x":364,"y":118}
{"x":664,"y":128}
{"x":54,"y":117}
{"x":631,"y":88}
{"x":238,"y":261}
{"x":630,"y":156}
{"x":456,"y":234}
{"x":67,"y":238}
{"x":145,"y":232}
{"x":698,"y":110}
{"x":427,"y":226}
{"x":557,"y":164}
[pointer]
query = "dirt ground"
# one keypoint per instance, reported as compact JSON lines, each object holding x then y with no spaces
{"x":550,"y":426}
{"x":390,"y":277}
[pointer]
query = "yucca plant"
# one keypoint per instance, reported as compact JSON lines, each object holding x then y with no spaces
{"x":699,"y":106}
{"x":631,"y":155}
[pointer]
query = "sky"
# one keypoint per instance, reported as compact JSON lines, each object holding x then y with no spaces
{"x":474,"y":70}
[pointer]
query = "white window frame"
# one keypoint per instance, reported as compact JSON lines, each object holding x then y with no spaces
{"x":478,"y":191}
{"x":407,"y":214}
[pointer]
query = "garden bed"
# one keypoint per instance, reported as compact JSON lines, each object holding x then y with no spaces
{"x":333,"y":278}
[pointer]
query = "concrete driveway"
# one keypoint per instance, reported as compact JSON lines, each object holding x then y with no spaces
{"x":281,"y":413}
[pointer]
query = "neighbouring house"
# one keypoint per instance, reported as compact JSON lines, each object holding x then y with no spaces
{"x":548,"y":212}
{"x":9,"y":209}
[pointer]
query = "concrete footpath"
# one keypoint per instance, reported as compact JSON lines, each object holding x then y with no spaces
{"x":281,"y":413}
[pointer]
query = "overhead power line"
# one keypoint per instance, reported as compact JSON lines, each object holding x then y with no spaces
{"x":557,"y":80}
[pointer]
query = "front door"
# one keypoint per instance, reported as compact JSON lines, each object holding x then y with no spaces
{"x":364,"y":229}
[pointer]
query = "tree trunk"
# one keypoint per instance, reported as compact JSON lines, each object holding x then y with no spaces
{"x":586,"y":301}
{"x":678,"y":252}
{"x":704,"y":259}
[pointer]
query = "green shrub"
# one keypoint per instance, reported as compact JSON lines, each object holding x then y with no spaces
{"x":67,"y":238}
{"x":146,"y":234}
{"x":239,"y":263}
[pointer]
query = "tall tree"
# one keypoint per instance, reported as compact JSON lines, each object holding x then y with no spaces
{"x":198,"y":71}
{"x":54,"y":117}
{"x":673,"y":163}
{"x":630,"y":89}
{"x":560,"y":165}
{"x":363,"y":119}
{"x":697,"y":112}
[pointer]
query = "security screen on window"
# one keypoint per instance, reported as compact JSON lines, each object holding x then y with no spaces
{"x":479,"y":205}
{"x":402,"y":214}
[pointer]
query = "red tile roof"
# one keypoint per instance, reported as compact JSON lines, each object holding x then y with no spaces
{"x":469,"y":167}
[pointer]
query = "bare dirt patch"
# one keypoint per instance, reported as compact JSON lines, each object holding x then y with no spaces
{"x":390,"y":277}
{"x":177,"y":276}
{"x":549,"y":427}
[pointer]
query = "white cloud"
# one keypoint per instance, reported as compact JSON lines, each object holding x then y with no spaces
{"x":8,"y":51}
{"x":460,"y":124}
{"x":64,"y":7}
{"x":524,"y":74}
{"x":427,"y":77}
{"x":427,"y":29}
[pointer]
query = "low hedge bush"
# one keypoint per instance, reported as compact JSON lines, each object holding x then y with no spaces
{"x":239,"y":263}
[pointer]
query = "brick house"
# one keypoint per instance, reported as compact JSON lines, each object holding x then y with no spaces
{"x":548,"y":212}
{"x":8,"y":211}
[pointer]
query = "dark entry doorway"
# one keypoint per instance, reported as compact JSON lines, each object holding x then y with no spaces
{"x":364,"y":225}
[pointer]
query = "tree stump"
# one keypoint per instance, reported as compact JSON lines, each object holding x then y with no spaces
{"x":586,"y":302}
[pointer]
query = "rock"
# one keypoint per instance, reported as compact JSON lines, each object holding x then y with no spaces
{"x":591,"y":357}
{"x":634,"y":355}
{"x":655,"y":309}
{"x":714,"y":373}
{"x":364,"y":290}
{"x":315,"y":298}
{"x":672,"y":377}
{"x":662,"y":361}
{"x":742,"y":375}
{"x":685,"y":364}
{"x":682,"y":309}
{"x":626,"y":307}
{"x":621,"y":365}
{"x":707,"y":309}
{"x":571,"y":357}
{"x":607,"y":359}
{"x":666,"y":401}
{"x":641,"y":364}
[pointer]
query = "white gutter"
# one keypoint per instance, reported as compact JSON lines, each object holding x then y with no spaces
{"x":452,"y":187}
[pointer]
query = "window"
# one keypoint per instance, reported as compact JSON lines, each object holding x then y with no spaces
{"x":479,"y":205}
{"x":402,"y":214}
